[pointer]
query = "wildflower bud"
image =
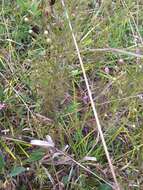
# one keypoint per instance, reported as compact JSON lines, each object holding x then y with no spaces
{"x":106,"y":69}
{"x":136,"y":38}
{"x":73,"y":14}
{"x":86,"y":99}
{"x":45,"y":32}
{"x":140,"y":96}
{"x":51,"y":47}
{"x":116,"y":68}
{"x":26,"y":19}
{"x":49,"y":41}
{"x":30,"y":31}
{"x":2,"y":106}
{"x":121,"y":61}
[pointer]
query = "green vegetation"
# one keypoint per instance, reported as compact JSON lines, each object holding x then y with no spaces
{"x":43,"y":92}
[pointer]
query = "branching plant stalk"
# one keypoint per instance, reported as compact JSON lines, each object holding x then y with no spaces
{"x":91,"y":99}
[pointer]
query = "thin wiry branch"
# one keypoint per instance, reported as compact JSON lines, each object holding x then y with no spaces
{"x":91,"y":99}
{"x":17,"y":94}
{"x":121,"y":51}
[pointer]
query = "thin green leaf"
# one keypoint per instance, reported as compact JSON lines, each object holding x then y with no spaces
{"x":8,"y":150}
{"x":17,"y":170}
{"x":2,"y":162}
{"x":104,"y":187}
{"x":35,"y":156}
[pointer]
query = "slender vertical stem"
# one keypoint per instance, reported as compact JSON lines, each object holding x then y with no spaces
{"x":91,"y":100}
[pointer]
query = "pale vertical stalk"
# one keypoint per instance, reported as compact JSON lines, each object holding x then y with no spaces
{"x":91,"y":100}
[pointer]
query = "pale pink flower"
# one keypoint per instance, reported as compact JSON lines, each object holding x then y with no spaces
{"x":106,"y":69}
{"x":86,"y":99}
{"x":2,"y":106}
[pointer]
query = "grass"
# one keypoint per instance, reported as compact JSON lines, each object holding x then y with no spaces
{"x":43,"y":92}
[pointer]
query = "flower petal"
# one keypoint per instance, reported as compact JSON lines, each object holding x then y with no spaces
{"x":89,"y":158}
{"x":41,"y":143}
{"x":49,"y":140}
